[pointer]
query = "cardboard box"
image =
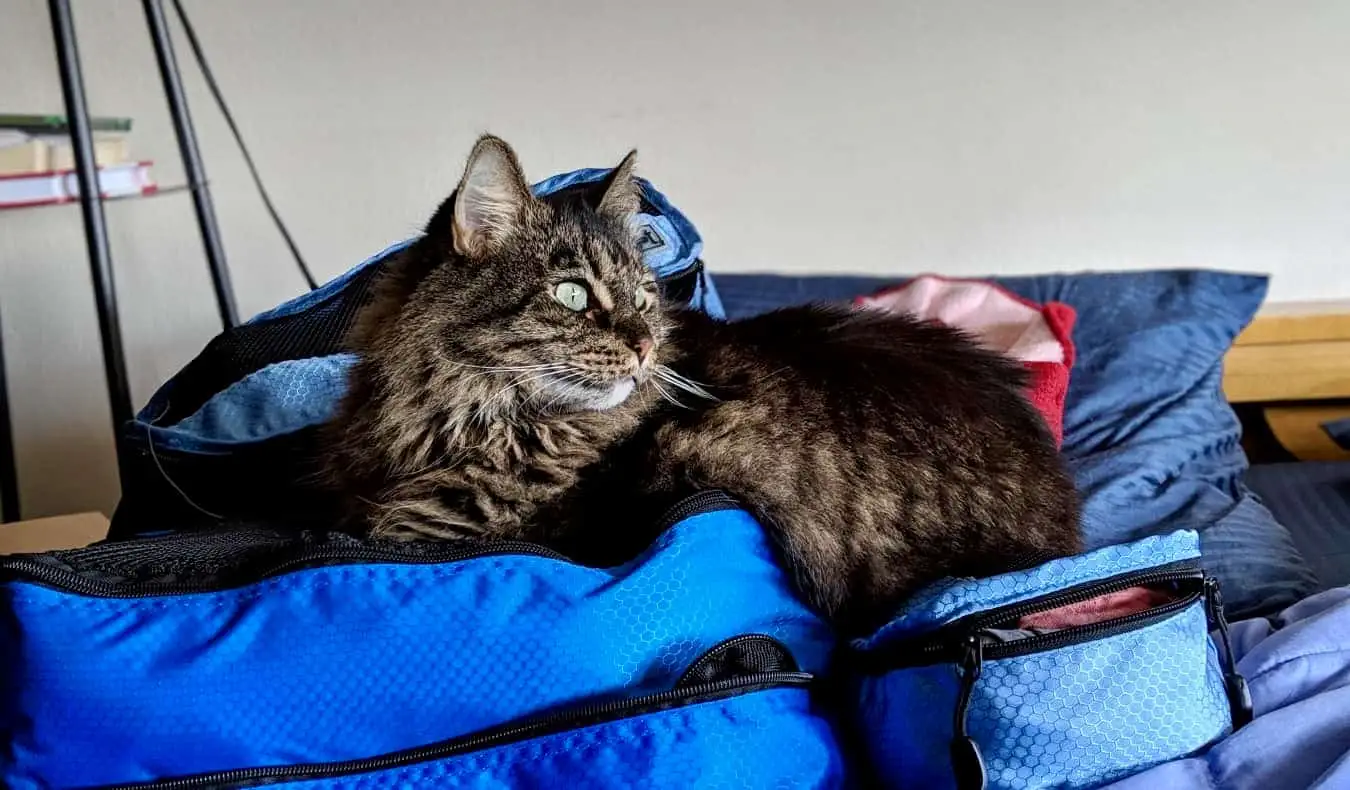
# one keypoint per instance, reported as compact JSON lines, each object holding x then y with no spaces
{"x":57,"y":532}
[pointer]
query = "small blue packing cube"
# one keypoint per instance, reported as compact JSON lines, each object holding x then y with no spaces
{"x":958,"y":692}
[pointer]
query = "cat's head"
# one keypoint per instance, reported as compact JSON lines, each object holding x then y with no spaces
{"x":549,"y":294}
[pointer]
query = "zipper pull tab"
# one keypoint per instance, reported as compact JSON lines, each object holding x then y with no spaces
{"x":967,"y":762}
{"x":1239,"y":694}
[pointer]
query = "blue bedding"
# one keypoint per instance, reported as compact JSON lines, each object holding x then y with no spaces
{"x":1298,"y":667}
{"x":1312,"y":499}
{"x":1151,"y":441}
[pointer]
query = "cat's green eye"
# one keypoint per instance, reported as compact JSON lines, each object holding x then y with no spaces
{"x":571,"y":295}
{"x":641,"y":299}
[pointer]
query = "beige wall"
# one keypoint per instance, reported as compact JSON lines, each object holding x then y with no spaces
{"x":961,"y":137}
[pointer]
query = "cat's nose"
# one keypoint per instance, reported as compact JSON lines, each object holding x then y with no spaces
{"x":643,"y":348}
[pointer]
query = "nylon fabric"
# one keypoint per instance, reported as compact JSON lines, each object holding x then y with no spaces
{"x":1073,"y":716}
{"x":771,"y":739}
{"x":352,"y":661}
{"x":1070,"y":718}
{"x":951,"y":599}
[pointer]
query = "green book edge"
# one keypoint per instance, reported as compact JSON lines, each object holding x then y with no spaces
{"x":57,"y":123}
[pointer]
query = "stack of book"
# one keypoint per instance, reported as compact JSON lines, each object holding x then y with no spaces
{"x":37,"y":161}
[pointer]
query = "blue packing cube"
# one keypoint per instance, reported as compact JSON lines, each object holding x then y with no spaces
{"x":230,"y":438}
{"x":958,"y":692}
{"x":246,"y":656}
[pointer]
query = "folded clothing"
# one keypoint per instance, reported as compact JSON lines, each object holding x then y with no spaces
{"x":1037,"y":335}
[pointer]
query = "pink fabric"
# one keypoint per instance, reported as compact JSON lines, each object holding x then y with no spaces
{"x":1040,"y":336}
{"x":1097,"y":610}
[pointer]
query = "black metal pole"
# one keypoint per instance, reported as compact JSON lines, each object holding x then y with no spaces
{"x":9,"y":471}
{"x":192,"y":161}
{"x":91,"y":208}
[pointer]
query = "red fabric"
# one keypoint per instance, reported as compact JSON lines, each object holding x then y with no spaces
{"x":1097,"y":610}
{"x":1049,"y":383}
{"x":1049,"y":380}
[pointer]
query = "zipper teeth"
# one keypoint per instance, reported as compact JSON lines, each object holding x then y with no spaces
{"x":719,"y":649}
{"x":82,"y":585}
{"x":1176,"y":571}
{"x":41,"y":573}
{"x":1086,"y":633}
{"x":511,"y":733}
{"x":941,"y":641}
{"x":696,"y":505}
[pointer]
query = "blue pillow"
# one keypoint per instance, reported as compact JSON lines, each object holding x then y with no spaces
{"x":1151,"y":441}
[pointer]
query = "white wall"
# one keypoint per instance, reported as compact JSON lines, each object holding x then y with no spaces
{"x":960,"y":137}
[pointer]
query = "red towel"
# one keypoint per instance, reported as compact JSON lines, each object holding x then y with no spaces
{"x":1037,"y":335}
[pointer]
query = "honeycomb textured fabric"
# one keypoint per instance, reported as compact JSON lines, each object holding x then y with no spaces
{"x":353,"y":661}
{"x":1070,"y":718}
{"x":1070,"y":715}
{"x":951,"y":599}
{"x":774,"y":741}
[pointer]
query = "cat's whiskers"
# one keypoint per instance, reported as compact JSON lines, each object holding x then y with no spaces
{"x":490,"y":370}
{"x":666,"y":395}
{"x":685,"y":383}
{"x":505,"y":368}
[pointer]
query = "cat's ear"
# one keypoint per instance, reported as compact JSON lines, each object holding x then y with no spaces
{"x":492,"y":197}
{"x":621,"y":199}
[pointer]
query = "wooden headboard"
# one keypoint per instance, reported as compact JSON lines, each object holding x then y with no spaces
{"x":1293,"y":366}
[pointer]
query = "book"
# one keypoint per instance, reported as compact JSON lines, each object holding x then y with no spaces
{"x":31,"y":156}
{"x":108,"y":151}
{"x":62,"y":186}
{"x":56,"y":124}
{"x":41,"y":155}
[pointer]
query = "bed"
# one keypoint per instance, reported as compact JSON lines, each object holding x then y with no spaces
{"x":1312,"y":500}
{"x":1305,"y":481}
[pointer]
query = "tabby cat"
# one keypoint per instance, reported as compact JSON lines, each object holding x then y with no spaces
{"x":520,"y":378}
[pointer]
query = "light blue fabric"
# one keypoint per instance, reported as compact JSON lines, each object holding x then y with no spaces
{"x":952,"y":599}
{"x":354,"y":661}
{"x":272,"y":401}
{"x":1298,"y":666}
{"x":1151,"y":441}
{"x":1070,"y":717}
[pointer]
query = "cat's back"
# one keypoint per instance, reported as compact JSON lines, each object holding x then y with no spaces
{"x":858,"y":361}
{"x":890,"y":452}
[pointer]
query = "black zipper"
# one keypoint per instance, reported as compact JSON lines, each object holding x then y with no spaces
{"x":72,"y":581}
{"x":1239,"y":694}
{"x":49,"y":574}
{"x":773,"y":656}
{"x":947,"y":642}
{"x":967,"y":761}
{"x":696,"y":504}
{"x":679,"y":287}
{"x":498,"y":736}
